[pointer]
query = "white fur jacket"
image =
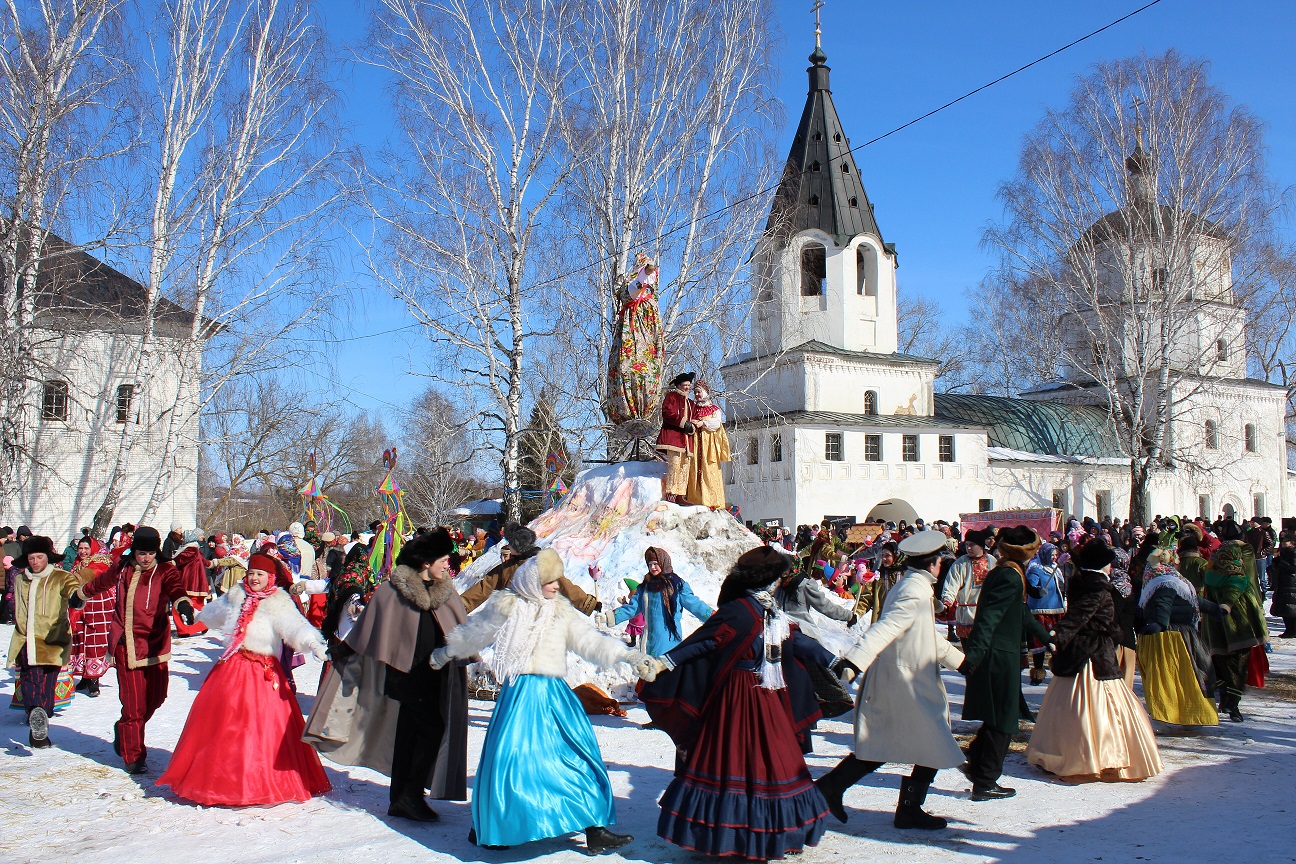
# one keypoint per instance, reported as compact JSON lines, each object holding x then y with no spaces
{"x":570,"y":631}
{"x":278,"y":619}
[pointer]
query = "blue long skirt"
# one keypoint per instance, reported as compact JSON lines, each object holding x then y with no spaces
{"x":541,"y":772}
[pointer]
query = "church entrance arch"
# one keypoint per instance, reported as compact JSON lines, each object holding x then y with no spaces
{"x":892,"y":510}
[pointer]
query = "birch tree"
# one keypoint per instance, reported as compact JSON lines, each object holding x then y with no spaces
{"x":59,"y":67}
{"x":1139,"y":215}
{"x":673,"y":136}
{"x":239,"y":166}
{"x":462,"y":204}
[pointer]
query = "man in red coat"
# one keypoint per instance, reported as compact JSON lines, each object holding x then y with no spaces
{"x":140,"y":636}
{"x":675,"y":441}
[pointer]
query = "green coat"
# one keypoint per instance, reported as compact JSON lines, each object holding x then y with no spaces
{"x":1245,"y":626}
{"x":993,"y":651}
{"x":1193,"y":568}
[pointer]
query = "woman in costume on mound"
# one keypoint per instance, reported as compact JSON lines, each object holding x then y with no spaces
{"x":241,"y":743}
{"x":1091,"y":726}
{"x":541,"y":772}
{"x":739,"y":705}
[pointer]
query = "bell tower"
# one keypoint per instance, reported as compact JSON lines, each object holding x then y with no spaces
{"x":822,"y":271}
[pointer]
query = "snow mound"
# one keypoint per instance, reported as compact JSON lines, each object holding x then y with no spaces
{"x":610,"y":517}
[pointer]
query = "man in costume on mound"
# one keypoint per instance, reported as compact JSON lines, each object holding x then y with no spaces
{"x":140,"y":637}
{"x":675,"y":441}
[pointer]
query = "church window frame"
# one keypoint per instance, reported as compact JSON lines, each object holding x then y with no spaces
{"x":871,"y":403}
{"x":54,"y":400}
{"x":1160,"y":279}
{"x":1250,"y":439}
{"x":945,"y":448}
{"x":909,"y":451}
{"x":753,"y":450}
{"x":833,"y":447}
{"x":1221,"y":350}
{"x":1258,"y":504}
{"x":1204,"y":507}
{"x":1212,"y":435}
{"x":872,"y":448}
{"x":814,"y":269}
{"x":776,"y":447}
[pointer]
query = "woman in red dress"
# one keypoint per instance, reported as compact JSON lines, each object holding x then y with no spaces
{"x":241,"y":743}
{"x":90,"y":658}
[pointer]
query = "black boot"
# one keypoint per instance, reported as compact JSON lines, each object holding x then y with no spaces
{"x":83,"y":685}
{"x":472,"y":838}
{"x":92,"y":687}
{"x":417,"y":809}
{"x":834,"y":784}
{"x":599,"y":840}
{"x":38,"y":720}
{"x":138,"y":767}
{"x":909,"y":812}
{"x":117,"y":738}
{"x":993,"y":792}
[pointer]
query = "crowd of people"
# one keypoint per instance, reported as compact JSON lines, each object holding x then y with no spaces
{"x":739,"y":696}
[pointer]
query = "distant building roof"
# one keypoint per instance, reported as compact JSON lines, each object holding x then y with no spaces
{"x":821,"y":186}
{"x":814,"y":346}
{"x":1046,"y":428}
{"x":75,"y":288}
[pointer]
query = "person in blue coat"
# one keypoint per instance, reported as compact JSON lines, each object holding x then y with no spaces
{"x":662,"y":597}
{"x":1046,"y":599}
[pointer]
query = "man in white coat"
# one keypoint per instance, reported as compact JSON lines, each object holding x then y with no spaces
{"x":902,"y":712}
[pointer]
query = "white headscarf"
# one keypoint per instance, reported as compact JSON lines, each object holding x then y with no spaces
{"x":516,"y":642}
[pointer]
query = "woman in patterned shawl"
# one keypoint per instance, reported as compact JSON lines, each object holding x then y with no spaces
{"x":635,"y":360}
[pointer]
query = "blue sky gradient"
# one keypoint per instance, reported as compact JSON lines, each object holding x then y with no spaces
{"x":933,"y":185}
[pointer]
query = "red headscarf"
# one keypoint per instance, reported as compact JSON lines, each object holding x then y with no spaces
{"x":251,"y":600}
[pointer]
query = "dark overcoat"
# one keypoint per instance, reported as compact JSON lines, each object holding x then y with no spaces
{"x":993,"y":651}
{"x":353,"y":721}
{"x":1090,"y":631}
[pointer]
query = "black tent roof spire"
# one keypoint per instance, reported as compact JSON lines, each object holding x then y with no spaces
{"x":821,"y":186}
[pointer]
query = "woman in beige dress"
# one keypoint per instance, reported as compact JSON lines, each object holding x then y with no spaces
{"x":710,"y":448}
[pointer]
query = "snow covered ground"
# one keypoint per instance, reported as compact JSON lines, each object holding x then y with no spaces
{"x":1225,"y":791}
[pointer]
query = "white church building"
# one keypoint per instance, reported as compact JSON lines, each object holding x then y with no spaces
{"x":827,"y":418}
{"x":89,"y":323}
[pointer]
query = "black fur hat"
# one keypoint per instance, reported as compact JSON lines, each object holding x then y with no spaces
{"x":426,"y":549}
{"x":754,"y":570}
{"x":1093,"y":555}
{"x":37,"y":543}
{"x":146,"y":539}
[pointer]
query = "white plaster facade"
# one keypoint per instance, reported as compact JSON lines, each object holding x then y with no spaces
{"x":64,"y":483}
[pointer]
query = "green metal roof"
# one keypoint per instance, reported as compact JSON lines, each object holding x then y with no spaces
{"x":1049,"y":428}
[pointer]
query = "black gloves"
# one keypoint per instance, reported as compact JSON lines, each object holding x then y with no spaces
{"x":852,"y":621}
{"x":1151,"y":628}
{"x":965,"y":668}
{"x":185,"y":610}
{"x":842,"y":666}
{"x":76,"y":601}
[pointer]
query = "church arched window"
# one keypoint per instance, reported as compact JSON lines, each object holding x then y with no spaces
{"x":1249,"y":443}
{"x":814,"y":270}
{"x":870,"y":403}
{"x":866,"y":271}
{"x":1212,"y":435}
{"x":1221,"y":350}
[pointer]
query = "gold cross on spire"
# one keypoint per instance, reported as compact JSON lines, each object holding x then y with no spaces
{"x":818,"y":4}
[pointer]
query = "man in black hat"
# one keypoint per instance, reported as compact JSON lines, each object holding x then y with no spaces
{"x":993,"y":662}
{"x":675,"y":441}
{"x":520,"y":545}
{"x":42,"y":634}
{"x":140,"y":636}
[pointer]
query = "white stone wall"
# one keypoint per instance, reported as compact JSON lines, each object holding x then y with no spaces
{"x":65,"y":485}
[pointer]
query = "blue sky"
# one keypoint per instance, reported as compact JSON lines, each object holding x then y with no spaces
{"x":933,"y":185}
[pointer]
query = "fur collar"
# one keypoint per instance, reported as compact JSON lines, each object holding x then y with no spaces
{"x":419,"y":594}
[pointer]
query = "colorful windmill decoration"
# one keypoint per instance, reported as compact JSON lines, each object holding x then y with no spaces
{"x":317,"y":508}
{"x":387,"y":544}
{"x":555,"y":493}
{"x":556,"y":463}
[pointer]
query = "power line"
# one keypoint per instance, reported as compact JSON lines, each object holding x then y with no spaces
{"x":762,"y":192}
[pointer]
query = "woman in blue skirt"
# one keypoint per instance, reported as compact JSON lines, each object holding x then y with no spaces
{"x":541,"y":772}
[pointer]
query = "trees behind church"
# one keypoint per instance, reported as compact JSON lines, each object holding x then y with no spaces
{"x":1139,"y":233}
